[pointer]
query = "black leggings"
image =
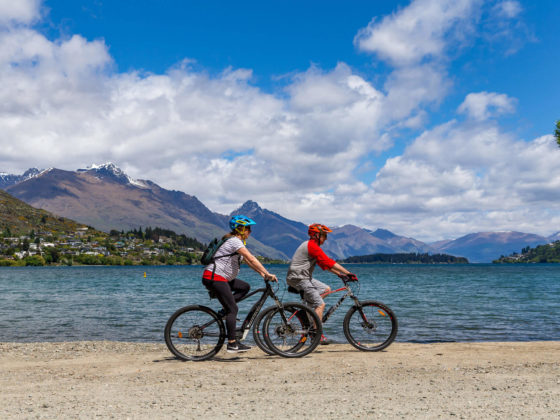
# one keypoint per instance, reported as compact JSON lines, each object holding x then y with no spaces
{"x":229,"y":293}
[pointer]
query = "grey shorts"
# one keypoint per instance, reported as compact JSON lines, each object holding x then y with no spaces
{"x":312,"y":290}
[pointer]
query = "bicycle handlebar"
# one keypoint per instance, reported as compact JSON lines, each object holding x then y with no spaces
{"x":269,"y":278}
{"x":348,"y":277}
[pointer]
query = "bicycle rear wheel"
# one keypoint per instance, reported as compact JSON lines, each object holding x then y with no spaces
{"x":194,"y":333}
{"x":293,"y":330}
{"x":258,"y":330}
{"x":371,"y":327}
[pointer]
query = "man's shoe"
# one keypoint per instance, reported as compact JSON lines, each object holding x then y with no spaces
{"x":237,"y":347}
{"x":324,"y":341}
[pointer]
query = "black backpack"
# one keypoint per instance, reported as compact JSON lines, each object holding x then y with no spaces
{"x":208,"y":256}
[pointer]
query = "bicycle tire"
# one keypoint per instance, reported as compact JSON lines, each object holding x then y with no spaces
{"x":194,"y":333}
{"x":258,"y":328}
{"x":297,"y":337}
{"x":373,"y":331}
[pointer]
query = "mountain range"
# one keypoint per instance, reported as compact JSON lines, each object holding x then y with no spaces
{"x":104,"y":197}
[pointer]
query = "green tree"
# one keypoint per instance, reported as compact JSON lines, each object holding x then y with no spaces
{"x":34,"y":260}
{"x":557,"y":132}
{"x":52,"y":255}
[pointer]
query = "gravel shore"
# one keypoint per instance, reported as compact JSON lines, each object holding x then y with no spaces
{"x":143,"y":381}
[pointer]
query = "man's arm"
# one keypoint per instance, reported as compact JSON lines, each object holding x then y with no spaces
{"x":339,"y":270}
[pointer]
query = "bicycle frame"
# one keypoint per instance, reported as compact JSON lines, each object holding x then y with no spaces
{"x":334,"y":307}
{"x":255,"y":309}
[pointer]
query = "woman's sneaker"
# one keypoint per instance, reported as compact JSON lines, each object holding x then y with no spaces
{"x":237,"y":347}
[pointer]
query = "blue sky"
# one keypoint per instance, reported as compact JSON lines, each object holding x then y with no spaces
{"x":429,"y":118}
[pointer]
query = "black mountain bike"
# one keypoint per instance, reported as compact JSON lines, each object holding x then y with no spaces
{"x":368,"y":325}
{"x":198,"y":332}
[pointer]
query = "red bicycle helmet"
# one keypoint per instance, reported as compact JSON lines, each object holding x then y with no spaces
{"x":316,"y":229}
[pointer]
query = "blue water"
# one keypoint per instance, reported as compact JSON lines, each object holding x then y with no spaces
{"x":475,"y":302}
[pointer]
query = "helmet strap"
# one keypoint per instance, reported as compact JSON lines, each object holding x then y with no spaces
{"x":241,"y":230}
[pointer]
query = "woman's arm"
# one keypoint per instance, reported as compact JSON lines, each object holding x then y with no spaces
{"x":255,"y":264}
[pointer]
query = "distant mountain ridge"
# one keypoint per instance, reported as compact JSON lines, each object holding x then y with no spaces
{"x":8,"y":179}
{"x":105,"y":197}
{"x":488,"y":246}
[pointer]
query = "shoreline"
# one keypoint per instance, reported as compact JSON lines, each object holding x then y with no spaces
{"x":85,"y":379}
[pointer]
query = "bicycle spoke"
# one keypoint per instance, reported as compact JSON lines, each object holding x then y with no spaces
{"x":291,"y":331}
{"x":371,"y":327}
{"x":194,"y":333}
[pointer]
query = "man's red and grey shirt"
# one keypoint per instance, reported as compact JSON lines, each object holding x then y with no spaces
{"x":304,"y":260}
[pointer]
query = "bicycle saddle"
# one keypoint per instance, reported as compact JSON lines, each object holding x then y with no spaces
{"x":296,"y":291}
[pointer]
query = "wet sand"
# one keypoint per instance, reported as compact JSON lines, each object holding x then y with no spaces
{"x":143,"y":381}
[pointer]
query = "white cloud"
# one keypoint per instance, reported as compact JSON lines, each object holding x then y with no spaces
{"x":508,"y":9}
{"x":483,"y":105}
{"x":411,"y":87}
{"x":421,"y":30}
{"x":226,"y":141}
{"x":462,"y":178}
{"x":62,"y":105}
{"x":505,"y":29}
{"x":19,"y":11}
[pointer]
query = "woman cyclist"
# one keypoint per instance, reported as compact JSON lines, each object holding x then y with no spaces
{"x":221,"y":275}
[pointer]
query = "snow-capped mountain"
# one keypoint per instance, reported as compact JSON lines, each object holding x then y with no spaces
{"x":9,"y":179}
{"x":111,"y":171}
{"x":105,"y":197}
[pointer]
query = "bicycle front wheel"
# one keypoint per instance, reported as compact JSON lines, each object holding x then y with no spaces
{"x":194,"y":333}
{"x":371,"y":326}
{"x":258,"y":330}
{"x":293,"y":330}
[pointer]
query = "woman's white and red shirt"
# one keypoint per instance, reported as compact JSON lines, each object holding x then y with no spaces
{"x":227,"y":268}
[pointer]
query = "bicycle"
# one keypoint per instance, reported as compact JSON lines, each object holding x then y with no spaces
{"x":368,"y":325}
{"x":197,"y":332}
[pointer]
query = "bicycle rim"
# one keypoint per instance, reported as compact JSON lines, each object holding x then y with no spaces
{"x":194,"y":333}
{"x":293,"y":331}
{"x":258,"y":329}
{"x":372,"y":328}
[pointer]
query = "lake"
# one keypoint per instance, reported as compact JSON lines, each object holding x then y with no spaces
{"x":433,"y":303}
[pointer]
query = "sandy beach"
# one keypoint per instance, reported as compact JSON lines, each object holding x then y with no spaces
{"x":140,"y":381}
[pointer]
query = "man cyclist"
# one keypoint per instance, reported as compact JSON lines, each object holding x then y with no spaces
{"x":221,"y":275}
{"x":300,"y":273}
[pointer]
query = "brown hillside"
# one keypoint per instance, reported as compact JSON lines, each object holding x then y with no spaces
{"x":21,"y":218}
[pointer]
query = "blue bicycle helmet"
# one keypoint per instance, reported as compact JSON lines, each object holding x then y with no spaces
{"x":240,"y":221}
